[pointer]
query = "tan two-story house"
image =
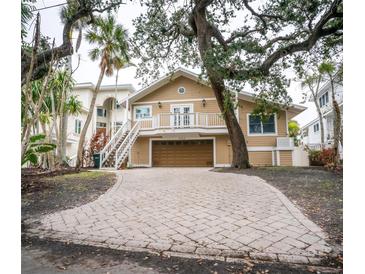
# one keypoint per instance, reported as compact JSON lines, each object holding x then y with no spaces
{"x":176,"y":122}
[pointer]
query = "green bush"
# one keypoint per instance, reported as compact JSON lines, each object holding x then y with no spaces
{"x":35,"y":148}
{"x":315,"y":157}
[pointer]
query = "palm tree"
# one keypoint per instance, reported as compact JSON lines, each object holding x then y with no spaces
{"x":110,"y":39}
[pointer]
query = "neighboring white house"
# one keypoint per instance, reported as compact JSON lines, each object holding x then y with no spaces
{"x":109,"y":114}
{"x":311,"y":132}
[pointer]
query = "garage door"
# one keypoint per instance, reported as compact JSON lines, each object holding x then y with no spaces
{"x":182,"y":153}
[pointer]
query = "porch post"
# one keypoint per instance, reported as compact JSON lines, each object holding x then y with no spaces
{"x":126,"y":109}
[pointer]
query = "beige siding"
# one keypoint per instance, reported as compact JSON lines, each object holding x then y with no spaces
{"x":193,"y":90}
{"x":260,"y":158}
{"x":194,"y":95}
{"x":140,"y":152}
{"x":245,"y":108}
{"x":223,"y":150}
{"x":286,"y":158}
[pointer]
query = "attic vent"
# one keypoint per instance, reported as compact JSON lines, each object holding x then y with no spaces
{"x":181,"y":90}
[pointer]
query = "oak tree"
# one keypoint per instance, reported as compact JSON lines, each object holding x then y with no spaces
{"x":236,"y":44}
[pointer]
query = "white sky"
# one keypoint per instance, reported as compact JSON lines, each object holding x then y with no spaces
{"x":88,"y":71}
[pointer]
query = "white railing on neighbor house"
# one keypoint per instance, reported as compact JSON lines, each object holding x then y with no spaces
{"x":316,"y":146}
{"x":113,"y":142}
{"x":122,"y":152}
{"x":183,"y":120}
{"x":285,"y":142}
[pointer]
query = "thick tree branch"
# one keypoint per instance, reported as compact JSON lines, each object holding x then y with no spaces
{"x":318,"y":32}
{"x":43,"y":58}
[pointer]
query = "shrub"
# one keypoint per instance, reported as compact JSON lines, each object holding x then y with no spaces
{"x":315,"y":157}
{"x":327,"y":157}
{"x":324,"y":157}
{"x":96,"y":144}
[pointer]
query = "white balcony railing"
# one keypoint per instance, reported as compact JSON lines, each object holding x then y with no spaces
{"x":183,"y":120}
{"x":284,"y":142}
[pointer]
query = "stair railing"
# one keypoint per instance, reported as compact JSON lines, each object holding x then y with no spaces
{"x":105,"y":152}
{"x":122,"y":152}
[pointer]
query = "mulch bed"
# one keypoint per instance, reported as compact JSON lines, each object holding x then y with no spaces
{"x":45,"y":192}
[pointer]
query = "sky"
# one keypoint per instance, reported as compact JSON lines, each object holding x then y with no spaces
{"x":88,"y":70}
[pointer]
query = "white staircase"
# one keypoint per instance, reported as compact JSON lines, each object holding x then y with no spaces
{"x":109,"y":152}
{"x":123,"y":150}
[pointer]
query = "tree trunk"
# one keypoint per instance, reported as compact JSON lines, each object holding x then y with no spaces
{"x":336,"y":125}
{"x":320,"y":117}
{"x":239,"y":148}
{"x":62,"y":137}
{"x":80,"y":148}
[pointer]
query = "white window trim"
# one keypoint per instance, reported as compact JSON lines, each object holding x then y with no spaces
{"x":104,"y":112}
{"x":76,"y":122}
{"x":142,"y":106}
{"x":316,"y":131}
{"x":180,"y":88}
{"x":191,"y":106}
{"x":262,"y":134}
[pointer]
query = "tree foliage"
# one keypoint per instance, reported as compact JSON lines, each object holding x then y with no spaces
{"x":76,"y":12}
{"x":253,"y":44}
{"x":36,"y":147}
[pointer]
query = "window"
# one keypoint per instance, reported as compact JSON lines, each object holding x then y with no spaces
{"x":101,"y":112}
{"x":77,"y":126}
{"x":323,"y":100}
{"x":258,"y":126}
{"x":143,"y":112}
{"x":100,"y":125}
{"x":316,"y":127}
{"x":181,"y":90}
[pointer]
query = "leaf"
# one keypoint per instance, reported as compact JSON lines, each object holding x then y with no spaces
{"x":37,"y":137}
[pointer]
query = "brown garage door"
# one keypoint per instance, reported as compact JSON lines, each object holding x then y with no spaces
{"x":182,"y":153}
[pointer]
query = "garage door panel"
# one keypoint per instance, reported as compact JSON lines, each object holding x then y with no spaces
{"x":182,"y":153}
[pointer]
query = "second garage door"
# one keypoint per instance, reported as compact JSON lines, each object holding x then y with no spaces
{"x":182,"y":153}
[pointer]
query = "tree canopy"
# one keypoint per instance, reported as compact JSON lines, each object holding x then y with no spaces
{"x":251,"y":43}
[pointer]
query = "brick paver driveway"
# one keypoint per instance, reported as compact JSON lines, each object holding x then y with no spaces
{"x":192,"y":212}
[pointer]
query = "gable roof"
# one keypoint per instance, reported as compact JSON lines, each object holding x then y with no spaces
{"x":243,"y":95}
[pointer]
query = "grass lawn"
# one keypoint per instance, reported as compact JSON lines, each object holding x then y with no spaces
{"x":316,"y":191}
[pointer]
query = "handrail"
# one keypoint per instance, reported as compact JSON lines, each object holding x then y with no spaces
{"x":128,"y":141}
{"x":104,"y":153}
{"x":189,"y":120}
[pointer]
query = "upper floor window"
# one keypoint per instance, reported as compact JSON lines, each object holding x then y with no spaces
{"x":323,"y":100}
{"x":77,"y":126}
{"x":259,"y":126}
{"x":143,"y":112}
{"x":101,"y":112}
{"x":316,"y":127}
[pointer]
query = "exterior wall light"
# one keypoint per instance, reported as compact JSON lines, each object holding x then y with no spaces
{"x":204,"y":102}
{"x":159,"y":105}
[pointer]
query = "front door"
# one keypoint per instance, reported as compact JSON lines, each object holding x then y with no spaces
{"x":182,"y":116}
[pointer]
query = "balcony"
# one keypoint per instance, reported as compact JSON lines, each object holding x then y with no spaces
{"x":183,"y":122}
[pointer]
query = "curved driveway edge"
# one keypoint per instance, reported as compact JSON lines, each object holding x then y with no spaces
{"x":195,"y":213}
